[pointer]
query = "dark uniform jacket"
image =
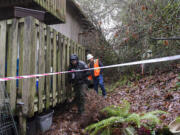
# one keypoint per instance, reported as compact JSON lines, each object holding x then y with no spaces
{"x":78,"y":77}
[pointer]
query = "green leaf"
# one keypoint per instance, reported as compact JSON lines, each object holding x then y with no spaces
{"x":122,"y":110}
{"x":156,"y":112}
{"x":134,"y":118}
{"x":178,"y":119}
{"x":106,"y":131}
{"x":130,"y":131}
{"x":95,"y":128}
{"x":153,"y":118}
{"x":178,"y":84}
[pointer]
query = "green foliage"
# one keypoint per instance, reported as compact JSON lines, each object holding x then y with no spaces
{"x":122,"y":110}
{"x":119,"y":115}
{"x":107,"y":123}
{"x":107,"y":131}
{"x":129,"y":131}
{"x":152,"y":116}
{"x":142,"y":21}
{"x":178,"y":119}
{"x":135,"y":118}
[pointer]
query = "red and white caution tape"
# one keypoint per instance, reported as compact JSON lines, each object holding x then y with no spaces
{"x":170,"y":58}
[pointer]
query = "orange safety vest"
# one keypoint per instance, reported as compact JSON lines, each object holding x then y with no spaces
{"x":96,"y":71}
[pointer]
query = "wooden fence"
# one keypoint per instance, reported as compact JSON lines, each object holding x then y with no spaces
{"x":30,"y":47}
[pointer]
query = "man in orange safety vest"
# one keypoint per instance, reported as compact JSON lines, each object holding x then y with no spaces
{"x":96,"y":74}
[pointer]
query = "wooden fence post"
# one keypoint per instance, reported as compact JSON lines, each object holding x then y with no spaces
{"x":33,"y":48}
{"x":68,"y":88}
{"x":59,"y":66}
{"x":48,"y":66}
{"x":3,"y":30}
{"x":74,"y":47}
{"x":63,"y":68}
{"x":12,"y":61}
{"x":24,"y":68}
{"x":54,"y":66}
{"x":41,"y":66}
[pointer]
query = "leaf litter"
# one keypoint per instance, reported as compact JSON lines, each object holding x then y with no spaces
{"x":155,"y":92}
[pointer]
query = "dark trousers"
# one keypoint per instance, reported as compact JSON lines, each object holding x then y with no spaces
{"x":99,"y":81}
{"x":79,"y":90}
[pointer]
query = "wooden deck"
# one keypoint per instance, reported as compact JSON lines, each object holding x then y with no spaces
{"x":55,"y":9}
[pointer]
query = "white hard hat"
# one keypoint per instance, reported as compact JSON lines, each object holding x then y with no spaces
{"x":89,"y":56}
{"x":149,"y":51}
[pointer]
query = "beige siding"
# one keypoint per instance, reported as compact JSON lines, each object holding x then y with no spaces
{"x":72,"y":27}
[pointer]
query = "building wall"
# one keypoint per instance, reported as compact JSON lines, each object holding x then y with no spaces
{"x":72,"y":27}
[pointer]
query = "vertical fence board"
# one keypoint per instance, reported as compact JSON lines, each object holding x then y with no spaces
{"x":22,"y":119}
{"x":68,"y":88}
{"x":59,"y":66}
{"x":80,"y":48}
{"x":76,"y":48}
{"x":54,"y":66}
{"x":41,"y":66}
{"x":63,"y":68}
{"x":74,"y":44}
{"x":12,"y":61}
{"x":84,"y":54}
{"x":3,"y":28}
{"x":71,"y":47}
{"x":21,"y":42}
{"x":24,"y":69}
{"x":33,"y":46}
{"x":48,"y":67}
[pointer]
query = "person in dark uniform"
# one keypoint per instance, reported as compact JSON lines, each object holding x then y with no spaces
{"x":78,"y":80}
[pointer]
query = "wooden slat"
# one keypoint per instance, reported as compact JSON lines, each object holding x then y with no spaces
{"x":41,"y":66}
{"x":63,"y":68}
{"x":48,"y":67}
{"x":71,"y":47}
{"x":84,"y":54}
{"x":12,"y":61}
{"x":80,"y":52}
{"x":74,"y":47}
{"x":3,"y":30}
{"x":33,"y":48}
{"x":59,"y":66}
{"x":24,"y":69}
{"x":25,"y":63}
{"x":54,"y":66}
{"x":21,"y":42}
{"x":68,"y":88}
